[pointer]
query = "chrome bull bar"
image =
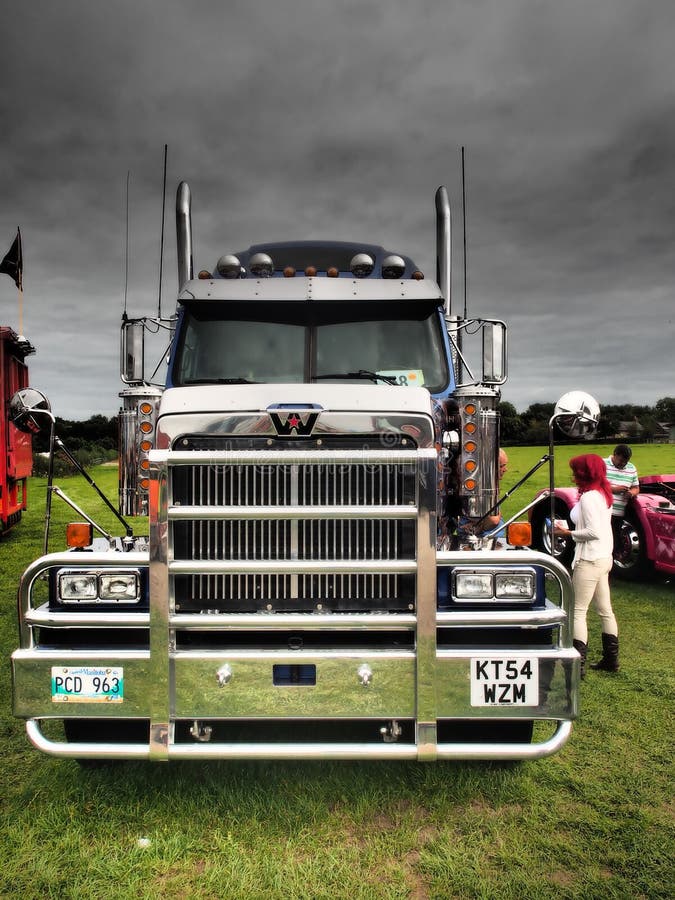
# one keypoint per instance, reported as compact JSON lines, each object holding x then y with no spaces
{"x":241,"y":751}
{"x":160,"y":662}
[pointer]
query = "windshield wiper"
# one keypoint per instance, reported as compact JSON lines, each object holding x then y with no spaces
{"x":362,"y":373}
{"x":220,"y":381}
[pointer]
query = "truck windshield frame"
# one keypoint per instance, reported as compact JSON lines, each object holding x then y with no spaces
{"x":301,"y":342}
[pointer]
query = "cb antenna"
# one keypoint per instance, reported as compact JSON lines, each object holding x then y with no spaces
{"x":464,"y":229}
{"x":126,"y":252}
{"x":161,"y":240}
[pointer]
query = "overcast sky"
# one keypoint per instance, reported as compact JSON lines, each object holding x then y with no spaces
{"x":340,"y":120}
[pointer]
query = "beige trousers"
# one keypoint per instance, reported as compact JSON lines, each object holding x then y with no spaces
{"x":591,"y":585}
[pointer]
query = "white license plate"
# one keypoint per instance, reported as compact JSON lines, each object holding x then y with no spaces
{"x":87,"y":684}
{"x":505,"y":681}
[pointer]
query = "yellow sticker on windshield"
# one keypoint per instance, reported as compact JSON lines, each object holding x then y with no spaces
{"x":405,"y":377}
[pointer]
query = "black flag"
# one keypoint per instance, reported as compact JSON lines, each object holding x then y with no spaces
{"x":12,"y":264}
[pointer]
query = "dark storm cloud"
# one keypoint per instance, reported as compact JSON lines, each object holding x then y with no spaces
{"x":296,"y":119}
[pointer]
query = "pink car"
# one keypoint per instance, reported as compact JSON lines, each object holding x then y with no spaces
{"x":647,"y":532}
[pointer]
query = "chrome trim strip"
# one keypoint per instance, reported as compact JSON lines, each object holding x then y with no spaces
{"x":496,"y":617}
{"x":290,"y":566}
{"x":298,"y":751}
{"x":492,"y":618}
{"x":70,"y":656}
{"x":426,"y":609}
{"x":293,"y":656}
{"x":289,"y":457}
{"x":49,"y":619}
{"x":160,"y":684}
{"x":215,"y":513}
{"x":305,"y":621}
{"x":303,"y":288}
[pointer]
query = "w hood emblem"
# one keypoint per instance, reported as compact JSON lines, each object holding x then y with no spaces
{"x":294,"y":423}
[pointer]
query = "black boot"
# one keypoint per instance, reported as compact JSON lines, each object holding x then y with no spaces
{"x":582,"y":650}
{"x":610,"y":654}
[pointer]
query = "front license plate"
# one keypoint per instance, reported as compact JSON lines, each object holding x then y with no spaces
{"x":505,"y":681}
{"x":87,"y":684}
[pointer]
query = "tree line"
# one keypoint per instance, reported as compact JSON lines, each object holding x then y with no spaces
{"x":91,"y":441}
{"x":634,"y":423}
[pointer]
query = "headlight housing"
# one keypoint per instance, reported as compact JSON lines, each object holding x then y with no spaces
{"x":109,"y":586}
{"x":492,"y":585}
{"x":473,"y":585}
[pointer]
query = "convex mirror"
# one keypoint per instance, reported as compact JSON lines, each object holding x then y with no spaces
{"x":577,"y":414}
{"x":28,"y":409}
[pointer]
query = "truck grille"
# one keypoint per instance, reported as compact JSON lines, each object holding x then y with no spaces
{"x":283,"y":485}
{"x":333,"y":534}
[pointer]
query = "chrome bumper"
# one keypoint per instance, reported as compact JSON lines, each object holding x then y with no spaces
{"x":298,"y":751}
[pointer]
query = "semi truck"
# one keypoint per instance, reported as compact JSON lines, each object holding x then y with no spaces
{"x":16,"y":451}
{"x":315,"y":579}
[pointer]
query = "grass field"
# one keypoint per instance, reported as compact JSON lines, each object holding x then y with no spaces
{"x":649,"y":459}
{"x":594,"y":821}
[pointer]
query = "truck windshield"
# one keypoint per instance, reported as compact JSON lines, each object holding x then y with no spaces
{"x":384,"y":343}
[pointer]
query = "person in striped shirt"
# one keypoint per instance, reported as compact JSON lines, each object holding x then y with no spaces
{"x":623,"y":478}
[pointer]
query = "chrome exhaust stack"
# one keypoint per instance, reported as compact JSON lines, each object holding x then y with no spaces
{"x":184,"y":235}
{"x":444,"y":247}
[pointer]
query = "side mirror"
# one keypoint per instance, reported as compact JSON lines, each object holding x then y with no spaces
{"x":132,"y":351}
{"x":26,"y":409}
{"x":494,"y":353}
{"x":576,"y":414}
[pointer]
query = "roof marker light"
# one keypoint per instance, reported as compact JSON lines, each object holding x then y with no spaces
{"x":417,"y":275}
{"x":261,"y":265}
{"x":228,"y":266}
{"x":332,"y":272}
{"x":310,"y":271}
{"x":362,"y":265}
{"x":289,"y":272}
{"x":393,"y":266}
{"x":204,"y":275}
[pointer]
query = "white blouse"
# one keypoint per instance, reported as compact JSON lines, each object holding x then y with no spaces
{"x":592,"y":532}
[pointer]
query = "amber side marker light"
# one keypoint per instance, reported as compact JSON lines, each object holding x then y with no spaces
{"x":79,"y":534}
{"x":519,"y":534}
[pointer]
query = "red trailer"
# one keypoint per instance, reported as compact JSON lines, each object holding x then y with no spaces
{"x":16,"y":452}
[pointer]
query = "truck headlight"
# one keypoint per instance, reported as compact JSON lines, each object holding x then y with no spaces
{"x":121,"y":587}
{"x":494,"y":585}
{"x":101,"y":586}
{"x":473,"y":585}
{"x":514,"y":585}
{"x":77,"y":587}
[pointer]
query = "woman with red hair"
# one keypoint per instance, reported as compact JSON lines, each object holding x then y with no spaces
{"x":592,"y":535}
